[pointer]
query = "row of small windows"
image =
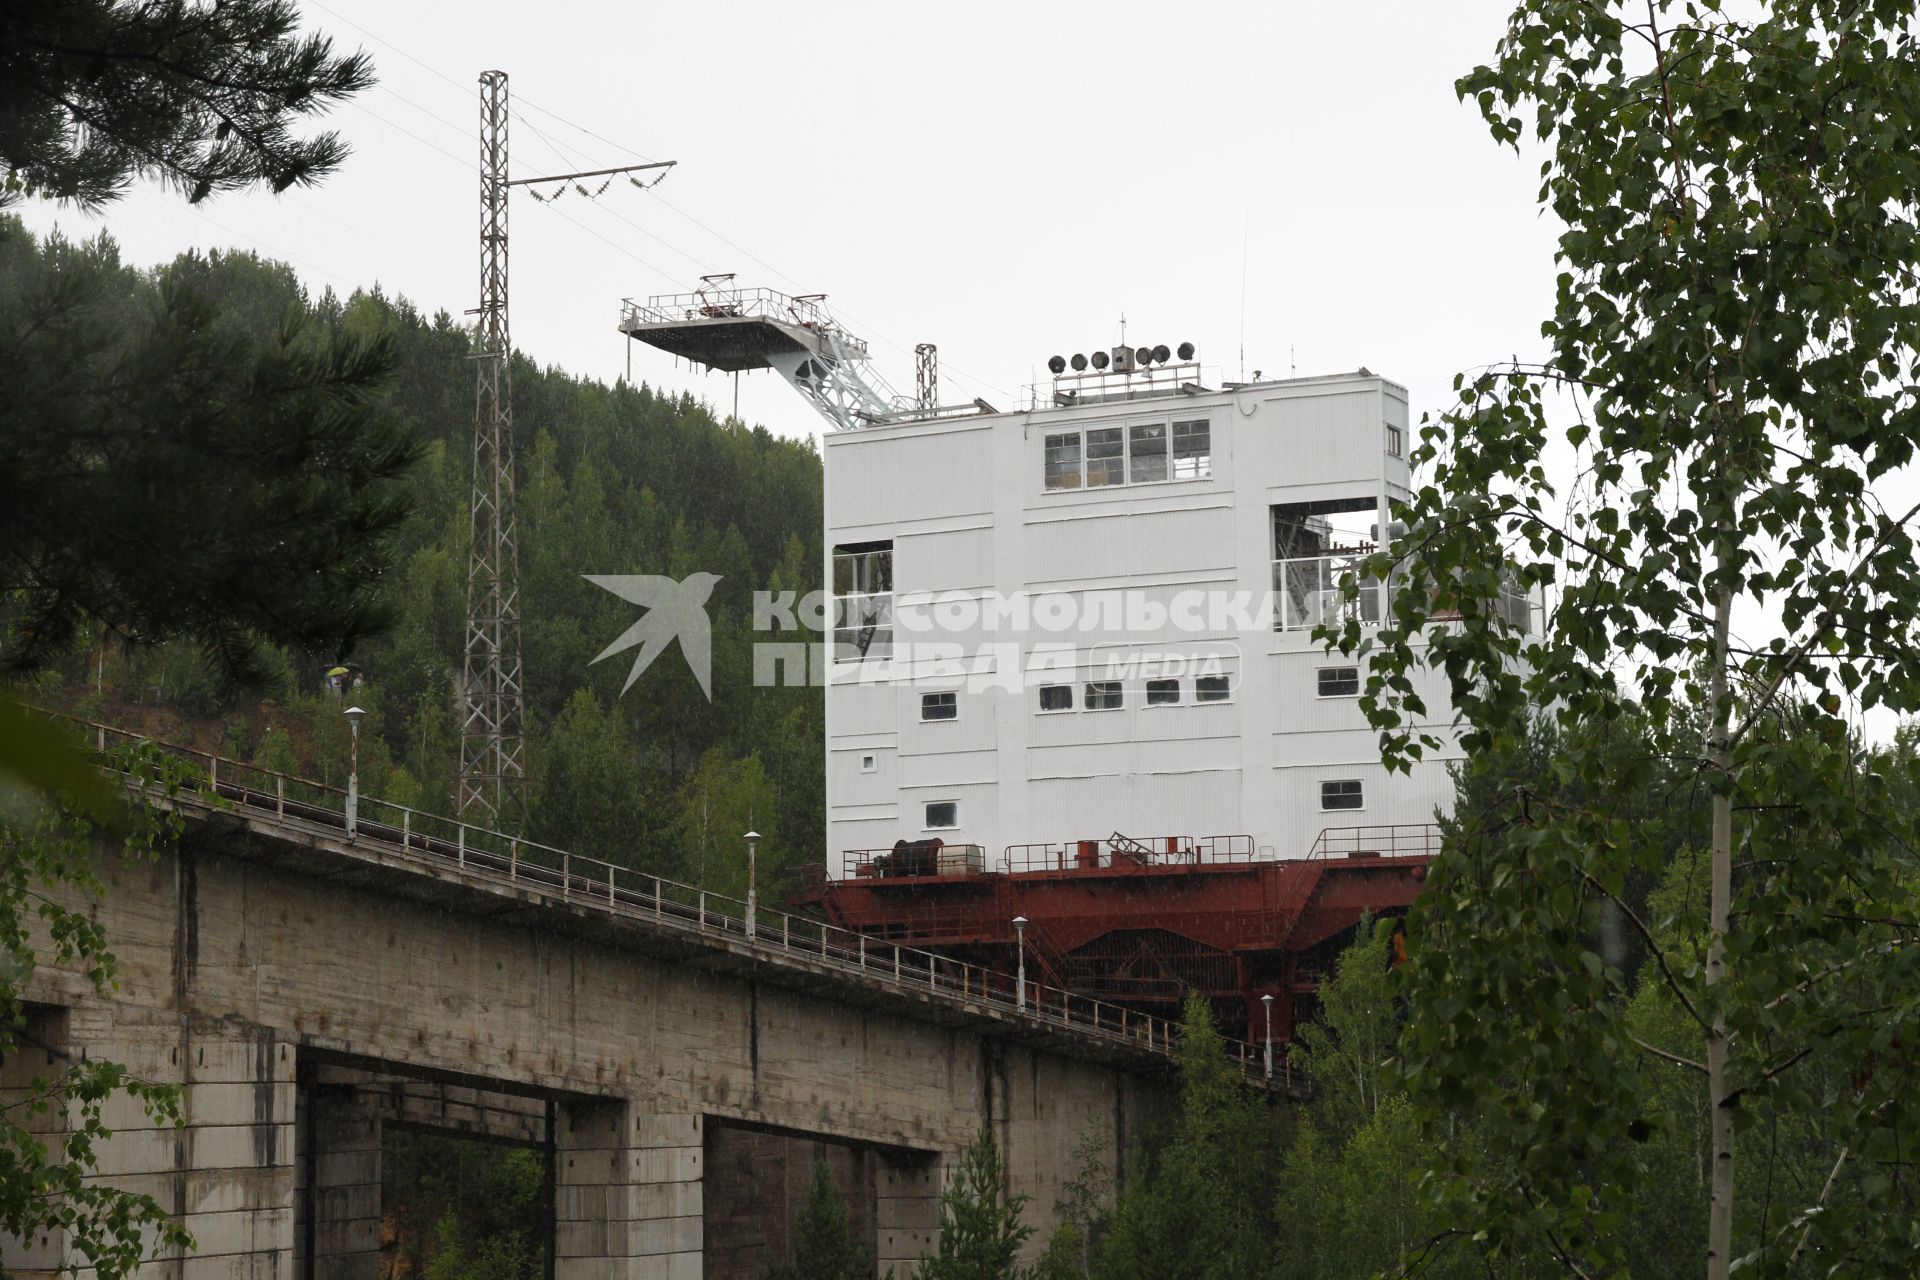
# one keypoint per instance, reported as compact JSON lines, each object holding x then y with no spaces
{"x":1138,"y":453}
{"x":1110,"y":695}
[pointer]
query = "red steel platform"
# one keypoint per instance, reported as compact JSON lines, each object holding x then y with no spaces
{"x":1141,"y":922}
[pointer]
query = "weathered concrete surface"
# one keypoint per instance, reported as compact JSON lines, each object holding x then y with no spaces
{"x":243,"y":957}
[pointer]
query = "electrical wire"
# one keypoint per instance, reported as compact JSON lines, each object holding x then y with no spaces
{"x":960,"y":375}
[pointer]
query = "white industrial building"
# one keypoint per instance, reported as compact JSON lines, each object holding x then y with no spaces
{"x":1119,"y":505}
{"x":1094,"y":617}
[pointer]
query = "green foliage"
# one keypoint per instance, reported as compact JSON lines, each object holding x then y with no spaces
{"x":202,"y":97}
{"x":471,"y":1208}
{"x":52,"y":1124}
{"x":613,"y":480}
{"x":980,"y":1228}
{"x":1734,"y":320}
{"x":1349,"y":1198}
{"x":1063,"y":1258}
{"x":169,"y":469}
{"x":823,"y":1244}
{"x":1197,"y":1207}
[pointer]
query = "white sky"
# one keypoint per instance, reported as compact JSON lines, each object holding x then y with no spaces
{"x":1004,"y":180}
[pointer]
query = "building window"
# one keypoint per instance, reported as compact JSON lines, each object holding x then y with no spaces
{"x":1396,"y":441}
{"x":1162,"y":693}
{"x":1063,"y":461}
{"x":1102,"y":695}
{"x":868,"y":764}
{"x":1211,"y":689}
{"x":942,"y":814}
{"x":1344,"y":793}
{"x":1056,"y":697}
{"x":1192,"y":450}
{"x":862,"y":601}
{"x":1106,"y":457}
{"x":1147,"y":452}
{"x":1138,"y":453}
{"x":1339,"y":682}
{"x":939,"y":706}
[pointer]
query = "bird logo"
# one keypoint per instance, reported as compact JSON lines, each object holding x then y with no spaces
{"x":674,"y":611}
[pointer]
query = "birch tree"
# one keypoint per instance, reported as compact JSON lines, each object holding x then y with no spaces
{"x":1701,"y":476}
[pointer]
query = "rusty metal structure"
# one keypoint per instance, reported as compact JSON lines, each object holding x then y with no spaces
{"x":1139,"y":923}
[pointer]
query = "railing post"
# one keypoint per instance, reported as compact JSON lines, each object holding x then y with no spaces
{"x":213,"y":773}
{"x":656,"y":896}
{"x":461,"y":848}
{"x":863,"y":951}
{"x":610,"y":892}
{"x":513,"y":859}
{"x":786,"y":931}
{"x":280,"y":795}
{"x":896,"y":962}
{"x":566,"y":875}
{"x":406,"y":828}
{"x":703,"y":908}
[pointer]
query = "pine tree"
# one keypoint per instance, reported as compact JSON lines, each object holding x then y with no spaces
{"x":823,"y":1246}
{"x":168,"y":471}
{"x":980,"y":1228}
{"x":1195,"y":1209}
{"x":93,"y":92}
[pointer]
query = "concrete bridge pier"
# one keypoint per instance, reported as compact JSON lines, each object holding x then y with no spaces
{"x":339,"y":1182}
{"x":630,"y":1193}
{"x":906,"y":1212}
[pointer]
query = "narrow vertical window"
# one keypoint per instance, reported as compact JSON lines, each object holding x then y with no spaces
{"x":1192,"y":450}
{"x":1147,"y":452}
{"x":1106,"y":457}
{"x":1063,"y":461}
{"x":862,"y":601}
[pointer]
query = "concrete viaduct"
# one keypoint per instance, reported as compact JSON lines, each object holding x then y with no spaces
{"x":310,"y":978}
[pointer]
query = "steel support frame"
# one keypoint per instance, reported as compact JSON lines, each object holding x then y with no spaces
{"x":492,"y":734}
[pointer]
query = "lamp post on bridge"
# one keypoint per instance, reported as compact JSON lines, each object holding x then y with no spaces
{"x":1266,"y":1003}
{"x":753,"y":841}
{"x":1020,"y":945}
{"x":354,"y":715}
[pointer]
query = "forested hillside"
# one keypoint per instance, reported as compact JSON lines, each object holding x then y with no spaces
{"x":612,"y":480}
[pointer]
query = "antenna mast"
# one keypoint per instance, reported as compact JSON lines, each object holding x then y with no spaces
{"x":926,"y":377}
{"x":492,"y":732}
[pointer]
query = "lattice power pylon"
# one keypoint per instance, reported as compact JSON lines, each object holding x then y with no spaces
{"x":492,"y":733}
{"x":493,"y":760}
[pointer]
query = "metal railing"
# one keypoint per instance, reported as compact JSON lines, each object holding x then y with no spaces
{"x":1124,"y":851}
{"x":559,"y":876}
{"x":1404,"y":840}
{"x":1309,"y":591}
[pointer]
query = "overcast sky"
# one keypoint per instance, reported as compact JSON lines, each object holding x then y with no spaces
{"x":1004,"y":180}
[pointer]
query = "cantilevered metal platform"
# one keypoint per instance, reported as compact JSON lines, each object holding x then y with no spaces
{"x":734,"y":343}
{"x":738,"y":329}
